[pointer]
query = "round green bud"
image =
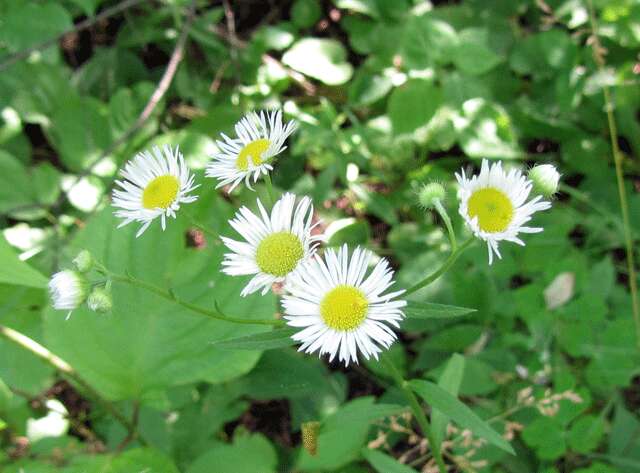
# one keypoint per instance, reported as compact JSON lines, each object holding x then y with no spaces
{"x":430,"y":194}
{"x":83,"y":262}
{"x":545,"y":179}
{"x":100,"y":300}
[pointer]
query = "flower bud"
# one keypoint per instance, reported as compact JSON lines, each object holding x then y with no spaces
{"x":84,"y":261}
{"x":68,"y":290}
{"x":545,"y":179}
{"x":430,"y":194}
{"x":100,"y":300}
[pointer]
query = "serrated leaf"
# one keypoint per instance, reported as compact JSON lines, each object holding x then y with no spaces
{"x":278,"y":338}
{"x":458,"y":412}
{"x":430,"y":310}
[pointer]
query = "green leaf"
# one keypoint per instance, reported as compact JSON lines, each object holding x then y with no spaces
{"x":249,"y":453}
{"x":278,"y":338}
{"x":546,"y":436}
{"x":449,"y":405}
{"x":305,"y":13}
{"x":140,"y":459}
{"x":322,"y":59}
{"x":472,"y":54}
{"x":430,"y":310}
{"x":80,"y":131}
{"x":384,"y":463}
{"x":427,"y":40}
{"x":586,"y":433}
{"x":349,"y":231}
{"x":413,"y":105}
{"x":15,"y":184}
{"x":486,"y":131}
{"x":16,"y":272}
{"x":166,"y":344}
{"x":361,"y":414}
{"x":450,"y":381}
{"x":338,"y":447}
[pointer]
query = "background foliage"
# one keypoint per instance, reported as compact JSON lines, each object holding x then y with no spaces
{"x":389,"y":94}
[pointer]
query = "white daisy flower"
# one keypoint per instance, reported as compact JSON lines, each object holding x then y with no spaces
{"x":260,"y":138}
{"x":154,"y":186}
{"x":68,"y":290}
{"x":275,"y":245}
{"x":493,"y":205}
{"x":343,"y":312}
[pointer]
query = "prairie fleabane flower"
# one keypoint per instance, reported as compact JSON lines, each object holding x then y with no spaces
{"x":68,"y":290}
{"x":275,"y":245}
{"x":260,"y":138}
{"x":339,"y":310}
{"x":154,"y":186}
{"x":494,"y":206}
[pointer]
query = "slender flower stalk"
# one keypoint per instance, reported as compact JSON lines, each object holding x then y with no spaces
{"x":617,"y":159}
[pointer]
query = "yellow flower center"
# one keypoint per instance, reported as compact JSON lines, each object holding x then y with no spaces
{"x":493,"y":209}
{"x":344,"y":308}
{"x":253,"y":151}
{"x":279,"y":253}
{"x":161,"y":192}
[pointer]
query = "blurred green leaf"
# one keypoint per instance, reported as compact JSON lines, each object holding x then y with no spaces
{"x":278,"y":338}
{"x":412,"y":105}
{"x":322,"y":59}
{"x":430,"y":310}
{"x":384,"y":463}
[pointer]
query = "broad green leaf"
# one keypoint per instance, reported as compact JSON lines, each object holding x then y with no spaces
{"x":278,"y":338}
{"x":449,"y":405}
{"x":586,"y":433}
{"x":5,"y":396}
{"x":362,"y":414}
{"x":430,"y":310}
{"x":450,"y":381}
{"x":427,"y":41}
{"x":80,"y":131}
{"x":349,"y":231}
{"x":15,"y":185}
{"x":139,"y":459}
{"x":249,"y":453}
{"x":384,"y":463}
{"x":473,"y":54}
{"x":486,"y":131}
{"x":16,"y":272}
{"x":412,"y":105}
{"x":546,"y":436}
{"x":338,"y":447}
{"x":25,"y":24}
{"x":305,"y":13}
{"x":322,"y":59}
{"x":166,"y":344}
{"x":366,"y":89}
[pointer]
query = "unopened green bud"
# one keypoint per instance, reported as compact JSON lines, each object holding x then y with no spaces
{"x":84,"y":261}
{"x":545,"y":179}
{"x":100,"y":300}
{"x":430,"y":194}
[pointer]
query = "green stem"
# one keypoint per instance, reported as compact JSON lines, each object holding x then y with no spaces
{"x":447,"y":221}
{"x":622,"y":194}
{"x":65,"y":368}
{"x":201,"y":227}
{"x":442,"y":269}
{"x":270,"y":193}
{"x":170,"y":296}
{"x":418,"y":412}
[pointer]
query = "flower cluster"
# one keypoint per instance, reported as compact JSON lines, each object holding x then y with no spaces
{"x":341,"y":300}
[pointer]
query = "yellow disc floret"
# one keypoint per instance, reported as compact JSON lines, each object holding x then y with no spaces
{"x":493,"y":209}
{"x":253,"y":151}
{"x":344,"y":308}
{"x":161,"y":192}
{"x":278,"y":254}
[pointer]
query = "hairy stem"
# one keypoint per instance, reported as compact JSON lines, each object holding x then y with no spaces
{"x":447,"y":221}
{"x":170,"y":296}
{"x":598,"y":54}
{"x":442,"y":269}
{"x":418,"y":412}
